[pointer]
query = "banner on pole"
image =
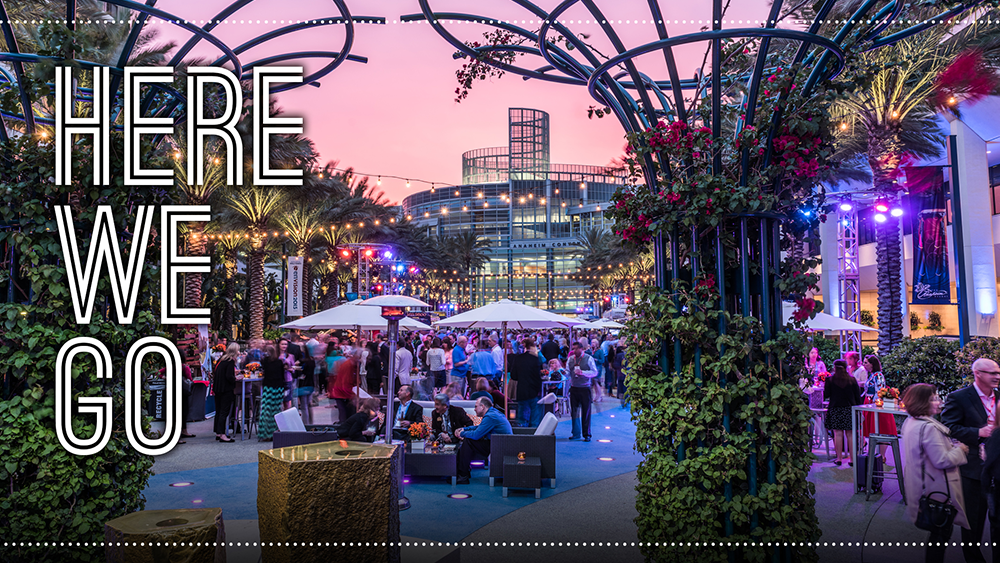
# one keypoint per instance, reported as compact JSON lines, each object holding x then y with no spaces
{"x":293,"y":295}
{"x":931,"y":283}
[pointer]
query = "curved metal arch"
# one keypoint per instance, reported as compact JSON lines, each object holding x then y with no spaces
{"x":230,"y":56}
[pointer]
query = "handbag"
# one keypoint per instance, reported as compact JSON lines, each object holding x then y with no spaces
{"x":933,"y":513}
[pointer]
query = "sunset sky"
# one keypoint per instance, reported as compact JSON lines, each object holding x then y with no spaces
{"x":396,"y":115}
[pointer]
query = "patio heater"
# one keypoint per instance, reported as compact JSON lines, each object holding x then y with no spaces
{"x":393,"y":310}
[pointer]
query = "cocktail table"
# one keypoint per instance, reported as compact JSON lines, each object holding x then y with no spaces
{"x":429,"y":464}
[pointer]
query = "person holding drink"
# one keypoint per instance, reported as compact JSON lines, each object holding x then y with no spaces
{"x":582,"y":371}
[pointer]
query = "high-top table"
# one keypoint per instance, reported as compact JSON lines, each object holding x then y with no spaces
{"x":856,"y":413}
{"x":243,"y":406}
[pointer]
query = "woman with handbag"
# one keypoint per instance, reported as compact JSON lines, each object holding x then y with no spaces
{"x":933,"y":485}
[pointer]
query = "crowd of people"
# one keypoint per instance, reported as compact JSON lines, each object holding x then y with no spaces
{"x":534,"y":369}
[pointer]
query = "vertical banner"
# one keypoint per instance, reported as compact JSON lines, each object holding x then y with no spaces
{"x":931,"y":284}
{"x":293,"y":292}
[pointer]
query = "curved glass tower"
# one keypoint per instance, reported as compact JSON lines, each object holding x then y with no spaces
{"x":531,"y":212}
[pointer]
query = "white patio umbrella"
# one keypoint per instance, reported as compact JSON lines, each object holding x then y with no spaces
{"x":351,"y":315}
{"x":605,"y":323}
{"x":826,"y":322}
{"x":506,"y":313}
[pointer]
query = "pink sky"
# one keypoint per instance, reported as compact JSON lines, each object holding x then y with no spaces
{"x":396,"y":115}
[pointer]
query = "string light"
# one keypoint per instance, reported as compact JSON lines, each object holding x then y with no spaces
{"x":379,"y":182}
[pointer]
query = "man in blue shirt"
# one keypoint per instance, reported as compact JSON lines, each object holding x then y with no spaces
{"x":476,"y":439}
{"x":460,"y":362}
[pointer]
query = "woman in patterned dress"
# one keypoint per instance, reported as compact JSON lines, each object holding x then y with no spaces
{"x":272,"y":394}
{"x":886,"y":421}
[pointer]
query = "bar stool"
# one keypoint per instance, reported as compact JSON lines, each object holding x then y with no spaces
{"x":819,"y":433}
{"x":875,"y":440}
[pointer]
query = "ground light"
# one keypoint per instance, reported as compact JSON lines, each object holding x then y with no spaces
{"x":606,"y":458}
{"x":182,"y":484}
{"x":460,"y":496}
{"x":605,"y":441}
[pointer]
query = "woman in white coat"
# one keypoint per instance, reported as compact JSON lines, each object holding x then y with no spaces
{"x":931,"y":460}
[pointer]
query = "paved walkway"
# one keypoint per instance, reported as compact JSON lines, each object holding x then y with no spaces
{"x":594,"y":503}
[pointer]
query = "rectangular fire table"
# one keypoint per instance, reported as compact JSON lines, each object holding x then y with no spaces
{"x":427,"y":464}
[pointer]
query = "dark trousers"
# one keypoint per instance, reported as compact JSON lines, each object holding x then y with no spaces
{"x":345,"y":408}
{"x":935,"y":553}
{"x":469,"y":450}
{"x":185,"y":407}
{"x":223,"y":405}
{"x":975,"y":511}
{"x":579,"y":399}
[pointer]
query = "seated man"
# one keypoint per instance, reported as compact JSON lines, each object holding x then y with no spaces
{"x":407,"y":413}
{"x":477,"y":438}
{"x":445,"y":419}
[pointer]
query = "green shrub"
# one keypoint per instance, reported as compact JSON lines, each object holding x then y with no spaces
{"x":50,"y":497}
{"x":866,"y":318}
{"x":923,"y":360}
{"x":978,"y":347}
{"x":829,"y":350}
{"x":934,"y":322}
{"x":914,"y":321}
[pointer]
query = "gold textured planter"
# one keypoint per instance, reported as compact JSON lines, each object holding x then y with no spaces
{"x":191,"y":535}
{"x":325,"y":494}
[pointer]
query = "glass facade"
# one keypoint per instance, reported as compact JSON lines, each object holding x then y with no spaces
{"x":531,"y":212}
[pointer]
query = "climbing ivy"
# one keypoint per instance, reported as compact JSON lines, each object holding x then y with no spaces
{"x":51,"y":496}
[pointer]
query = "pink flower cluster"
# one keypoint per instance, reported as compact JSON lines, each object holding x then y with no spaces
{"x":806,"y":307}
{"x":638,"y":231}
{"x":798,"y":152}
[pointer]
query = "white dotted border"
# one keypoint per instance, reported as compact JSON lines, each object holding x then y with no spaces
{"x":491,"y":544}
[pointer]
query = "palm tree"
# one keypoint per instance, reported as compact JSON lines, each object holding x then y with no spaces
{"x":229,"y":247}
{"x":255,"y":208}
{"x":215,"y":181}
{"x":887,"y":123}
{"x":471,"y":253}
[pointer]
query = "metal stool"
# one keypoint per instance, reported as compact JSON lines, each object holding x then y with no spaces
{"x":875,"y":440}
{"x":819,"y":433}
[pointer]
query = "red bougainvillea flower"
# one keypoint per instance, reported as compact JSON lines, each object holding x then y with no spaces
{"x":806,"y":307}
{"x":707,"y":283}
{"x":968,"y":77}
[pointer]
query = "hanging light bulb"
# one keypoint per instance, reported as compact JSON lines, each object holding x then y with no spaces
{"x":408,"y":184}
{"x":379,"y":181}
{"x":432,"y":185}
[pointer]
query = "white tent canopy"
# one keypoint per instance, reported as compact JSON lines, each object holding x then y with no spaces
{"x":825,"y":322}
{"x":349,"y":316}
{"x":508,"y":314}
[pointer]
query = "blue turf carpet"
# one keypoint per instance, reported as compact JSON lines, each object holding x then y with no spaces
{"x":432,"y":516}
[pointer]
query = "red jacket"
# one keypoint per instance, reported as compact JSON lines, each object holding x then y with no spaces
{"x":346,"y":380}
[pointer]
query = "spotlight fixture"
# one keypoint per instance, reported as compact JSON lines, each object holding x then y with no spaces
{"x":881,"y":207}
{"x":880,"y":218}
{"x":388,"y":254}
{"x":846,"y":206}
{"x":896,"y":212}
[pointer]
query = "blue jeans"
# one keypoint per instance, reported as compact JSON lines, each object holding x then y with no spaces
{"x":529,"y":412}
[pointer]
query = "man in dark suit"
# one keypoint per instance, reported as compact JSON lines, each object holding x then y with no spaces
{"x":407,"y":413}
{"x":550,"y":349}
{"x":970,"y":413}
{"x":526,"y":371}
{"x":445,"y":419}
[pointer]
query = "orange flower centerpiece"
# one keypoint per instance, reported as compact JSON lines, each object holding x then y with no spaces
{"x":821,"y":377}
{"x":888,"y":396}
{"x":418,"y":433}
{"x":252,"y":370}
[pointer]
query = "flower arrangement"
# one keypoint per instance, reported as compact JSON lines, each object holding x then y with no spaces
{"x":888,"y":393}
{"x":253,"y":369}
{"x":821,"y":377}
{"x":219,"y":348}
{"x":419,"y":431}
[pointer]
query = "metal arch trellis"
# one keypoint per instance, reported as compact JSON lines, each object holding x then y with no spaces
{"x":163,"y":101}
{"x":632,"y":96}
